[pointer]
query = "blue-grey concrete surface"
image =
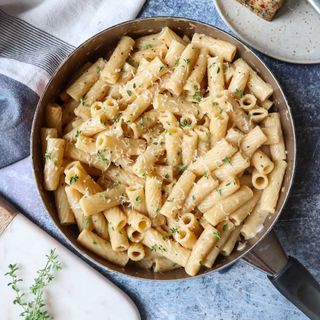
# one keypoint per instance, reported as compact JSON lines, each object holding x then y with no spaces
{"x":243,"y":293}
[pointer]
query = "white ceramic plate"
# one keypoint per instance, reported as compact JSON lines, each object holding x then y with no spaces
{"x":293,"y":35}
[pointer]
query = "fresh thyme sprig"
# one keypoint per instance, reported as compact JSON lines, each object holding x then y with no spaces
{"x":35,"y":309}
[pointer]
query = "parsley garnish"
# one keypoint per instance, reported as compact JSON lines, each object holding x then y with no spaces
{"x":154,"y":248}
{"x":214,"y":103}
{"x":206,"y":175}
{"x":143,"y":173}
{"x":73,"y":179}
{"x":78,"y":132}
{"x":226,"y":160}
{"x":138,"y":199}
{"x":98,"y":69}
{"x":239,"y":92}
{"x":218,"y":70}
{"x":193,"y":197}
{"x":216,"y":234}
{"x":186,"y":123}
{"x":219,"y":192}
{"x":225,"y":227}
{"x":177,"y":62}
{"x":129,"y":92}
{"x":167,"y":176}
{"x":174,"y":231}
{"x":147,"y":46}
{"x":197,"y":96}
{"x":181,"y":167}
{"x":101,"y":157}
{"x":134,"y":86}
{"x":161,"y":68}
{"x":34,"y":310}
{"x":47,"y":156}
{"x":94,"y":242}
{"x":117,"y":117}
{"x":187,"y":61}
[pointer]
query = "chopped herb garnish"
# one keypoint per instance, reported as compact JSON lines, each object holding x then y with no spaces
{"x":218,"y":70}
{"x":78,"y":132}
{"x":219,"y":192}
{"x":206,"y":175}
{"x":73,"y":179}
{"x":187,"y":61}
{"x":167,"y":176}
{"x":239,"y":92}
{"x":162,"y":68}
{"x":193,"y":197}
{"x":117,"y":117}
{"x":225,"y":227}
{"x":138,"y":199}
{"x":134,"y":86}
{"x":220,"y":110}
{"x":226,"y":160}
{"x":94,"y":242}
{"x":181,"y":167}
{"x":197,"y":96}
{"x":177,"y":62}
{"x":143,"y":173}
{"x":186,"y":123}
{"x":228,"y":184}
{"x":174,"y":231}
{"x":214,"y":103}
{"x":101,"y":157}
{"x":154,"y":248}
{"x":216,"y":234}
{"x":47,"y":156}
{"x":129,"y":92}
{"x":98,"y":69}
{"x":249,"y":115}
{"x":85,"y":221}
{"x":147,"y":46}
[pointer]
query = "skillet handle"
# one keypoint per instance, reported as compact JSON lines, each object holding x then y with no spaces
{"x":296,"y":283}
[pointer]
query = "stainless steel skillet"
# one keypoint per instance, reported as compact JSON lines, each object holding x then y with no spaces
{"x":263,"y":251}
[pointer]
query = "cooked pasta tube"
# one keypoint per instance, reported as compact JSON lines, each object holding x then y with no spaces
{"x":262,"y":162}
{"x":54,"y":117}
{"x":270,"y":195}
{"x":144,"y":79}
{"x":101,"y":201}
{"x":224,"y":230}
{"x":182,"y":70}
{"x":189,"y":147}
{"x":232,"y":166}
{"x":213,"y":158}
{"x":137,"y":198}
{"x":121,"y":176}
{"x":234,"y":136}
{"x":108,"y":107}
{"x":167,"y":35}
{"x":278,"y":150}
{"x":85,"y":81}
{"x":215,"y":75}
{"x":134,"y":235}
{"x":225,"y":189}
{"x":64,"y":211}
{"x":53,"y":163}
{"x":252,"y":141}
{"x":96,"y":93}
{"x":189,"y":221}
{"x":259,"y":180}
{"x":161,"y":264}
{"x":136,"y":252}
{"x":74,"y":196}
{"x":174,"y":52}
{"x":68,"y":111}
{"x":177,"y":197}
{"x":248,"y":101}
{"x":228,"y":205}
{"x":256,"y":85}
{"x":171,"y":250}
{"x":93,"y":125}
{"x":138,"y":221}
{"x":257,"y":115}
{"x":218,"y":126}
{"x":216,"y":47}
{"x":148,"y":41}
{"x":240,"y":119}
{"x":100,"y":225}
{"x":186,"y":238}
{"x":138,"y":106}
{"x":271,"y":129}
{"x":149,"y":53}
{"x":145,"y":162}
{"x":173,"y":139}
{"x":239,"y":80}
{"x":118,"y":239}
{"x":229,"y":245}
{"x":97,"y":161}
{"x":153,"y":195}
{"x":199,"y":191}
{"x":266,"y":104}
{"x":116,"y":217}
{"x":165,"y":172}
{"x":102,"y":248}
{"x":47,"y":133}
{"x":203,"y":141}
{"x":78,"y":178}
{"x":200,"y":250}
{"x":238,"y":216}
{"x":112,"y":70}
{"x":192,"y":84}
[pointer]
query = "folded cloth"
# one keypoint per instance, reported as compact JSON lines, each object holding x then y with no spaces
{"x":35,"y":37}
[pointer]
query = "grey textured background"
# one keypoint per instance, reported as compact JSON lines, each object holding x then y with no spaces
{"x":243,"y":292}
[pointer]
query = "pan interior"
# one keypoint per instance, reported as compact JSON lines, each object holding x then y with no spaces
{"x":100,"y":46}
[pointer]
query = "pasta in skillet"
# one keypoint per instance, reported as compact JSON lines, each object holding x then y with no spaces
{"x":167,"y":154}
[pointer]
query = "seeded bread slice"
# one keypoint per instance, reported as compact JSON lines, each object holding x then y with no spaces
{"x":265,"y":9}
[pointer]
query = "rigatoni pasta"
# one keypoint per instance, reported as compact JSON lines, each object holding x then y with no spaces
{"x":166,"y":153}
